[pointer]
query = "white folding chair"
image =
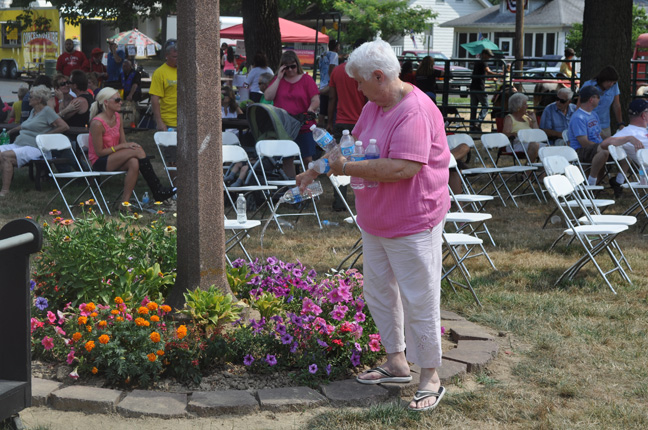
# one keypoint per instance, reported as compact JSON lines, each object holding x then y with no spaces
{"x":639,"y":191}
{"x":499,"y":141}
{"x":235,"y":154}
{"x":59,"y":142}
{"x":239,"y":233}
{"x":594,"y":238}
{"x":571,"y":156}
{"x":537,"y":135}
{"x":166,"y":139}
{"x":83,"y":140}
{"x":230,"y":138}
{"x":281,"y":149}
{"x":458,"y":247}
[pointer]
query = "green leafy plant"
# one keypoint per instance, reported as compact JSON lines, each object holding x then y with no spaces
{"x":211,"y":309}
{"x":268,"y":305}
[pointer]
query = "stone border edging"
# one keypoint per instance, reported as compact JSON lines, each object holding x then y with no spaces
{"x":475,"y":349}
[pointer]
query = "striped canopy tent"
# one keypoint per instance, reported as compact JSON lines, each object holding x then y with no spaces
{"x":139,"y":40}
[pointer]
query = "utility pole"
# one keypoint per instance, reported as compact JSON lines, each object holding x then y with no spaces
{"x":519,"y":33}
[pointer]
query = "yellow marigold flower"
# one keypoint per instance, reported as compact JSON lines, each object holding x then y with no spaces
{"x":155,"y":337}
{"x":140,"y":321}
{"x":152,"y":306}
{"x":142,"y":310}
{"x":126,"y":204}
{"x":152,"y":357}
{"x":94,"y":370}
{"x":155,"y":318}
{"x":120,"y":319}
{"x":67,"y":222}
{"x":104,"y":338}
{"x":160,"y":352}
{"x":114,"y":312}
{"x":77,"y":336}
{"x":94,"y":315}
{"x":89,"y":345}
{"x":158,"y":203}
{"x":83,"y":320}
{"x":90,"y":307}
{"x":166,"y":308}
{"x":67,"y":239}
{"x":119,"y":300}
{"x":103,"y":324}
{"x":89,"y":328}
{"x":181,"y":331}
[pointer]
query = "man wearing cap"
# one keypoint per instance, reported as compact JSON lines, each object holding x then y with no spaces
{"x":97,"y":66}
{"x":478,"y":89}
{"x":115,"y":59}
{"x":585,"y":138}
{"x":71,"y":59}
{"x":638,"y":113}
{"x":556,"y":116}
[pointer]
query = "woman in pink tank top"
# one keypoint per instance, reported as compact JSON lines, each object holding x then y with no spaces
{"x":108,"y":150}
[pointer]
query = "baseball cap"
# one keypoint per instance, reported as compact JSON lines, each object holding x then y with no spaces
{"x":97,"y":51}
{"x":638,"y":106}
{"x":588,"y":92}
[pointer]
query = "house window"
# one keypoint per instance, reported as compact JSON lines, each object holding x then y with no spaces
{"x":528,"y":45}
{"x":461,"y":52}
{"x":539,"y":45}
{"x":10,"y":36}
{"x":551,"y":44}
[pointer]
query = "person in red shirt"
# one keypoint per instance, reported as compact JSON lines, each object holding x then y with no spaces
{"x":97,"y":66}
{"x":71,"y":60}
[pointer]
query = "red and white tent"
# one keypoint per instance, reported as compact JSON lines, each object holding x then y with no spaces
{"x":290,"y":32}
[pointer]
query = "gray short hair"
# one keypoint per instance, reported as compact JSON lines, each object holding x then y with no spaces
{"x":41,"y":92}
{"x":265,"y":78}
{"x":516,"y":102}
{"x":569,"y":93}
{"x":372,"y":56}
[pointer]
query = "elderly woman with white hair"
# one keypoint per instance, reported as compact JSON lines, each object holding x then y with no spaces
{"x":520,"y":119}
{"x":109,"y":151}
{"x":41,"y":120}
{"x":556,"y":116}
{"x":401,"y":219}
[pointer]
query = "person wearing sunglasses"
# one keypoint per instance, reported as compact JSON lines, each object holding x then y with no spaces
{"x":62,"y":92}
{"x":556,"y":116}
{"x":109,"y":151}
{"x":297,"y":93}
{"x":77,"y":112}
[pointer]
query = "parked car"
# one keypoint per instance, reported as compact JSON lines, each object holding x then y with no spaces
{"x":460,"y":77}
{"x":550,"y":76}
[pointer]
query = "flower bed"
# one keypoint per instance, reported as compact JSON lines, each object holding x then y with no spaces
{"x":100,"y":308}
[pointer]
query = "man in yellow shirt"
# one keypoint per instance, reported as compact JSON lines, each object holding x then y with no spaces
{"x":164,"y":91}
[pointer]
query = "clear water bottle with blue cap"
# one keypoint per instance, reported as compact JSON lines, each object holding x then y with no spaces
{"x":293,"y":195}
{"x":346,"y":144}
{"x":320,"y":165}
{"x":358,"y":155}
{"x":323,"y":138}
{"x":146,"y":198}
{"x":241,"y":209}
{"x":372,"y":153}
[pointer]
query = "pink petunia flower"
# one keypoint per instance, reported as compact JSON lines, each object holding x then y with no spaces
{"x":70,"y":357}
{"x":48,"y":342}
{"x":51,"y":317}
{"x":374,"y":345}
{"x":59,"y":331}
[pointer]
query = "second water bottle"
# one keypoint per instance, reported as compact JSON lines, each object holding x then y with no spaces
{"x":358,"y":155}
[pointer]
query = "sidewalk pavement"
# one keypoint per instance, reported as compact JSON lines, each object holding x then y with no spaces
{"x":475,"y":349}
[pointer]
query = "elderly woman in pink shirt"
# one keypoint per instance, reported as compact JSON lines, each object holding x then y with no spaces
{"x":401,"y":219}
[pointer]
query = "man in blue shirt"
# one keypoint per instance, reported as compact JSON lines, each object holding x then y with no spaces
{"x":606,"y":83}
{"x":115,"y":60}
{"x":585,"y":138}
{"x":556,"y":116}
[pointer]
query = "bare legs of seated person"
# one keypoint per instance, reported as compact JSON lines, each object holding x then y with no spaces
{"x":8,"y":162}
{"x":460,"y":154}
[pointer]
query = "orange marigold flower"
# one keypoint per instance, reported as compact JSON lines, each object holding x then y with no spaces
{"x":142,"y":310}
{"x":152,"y":357}
{"x":103,"y":324}
{"x":94,"y":370}
{"x":120,"y":319}
{"x":119,"y":300}
{"x":165,"y":308}
{"x":90,"y":307}
{"x":89,"y":345}
{"x":77,"y":336}
{"x":104,"y":338}
{"x":160,"y":352}
{"x":155,"y":337}
{"x":182,"y":331}
{"x":155,"y":318}
{"x":94,"y":315}
{"x":140,"y":321}
{"x":152,"y":306}
{"x":83,"y":320}
{"x":114,"y":312}
{"x":89,"y":328}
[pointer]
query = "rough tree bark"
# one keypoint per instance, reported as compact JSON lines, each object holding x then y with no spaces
{"x":607,"y":41}
{"x":261,"y":29}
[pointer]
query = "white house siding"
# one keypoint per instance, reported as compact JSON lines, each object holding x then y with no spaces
{"x":441,"y":39}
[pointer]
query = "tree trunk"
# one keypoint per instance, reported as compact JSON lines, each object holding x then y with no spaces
{"x":261,"y":29}
{"x":607,"y":41}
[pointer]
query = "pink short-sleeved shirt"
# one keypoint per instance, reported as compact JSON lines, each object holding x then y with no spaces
{"x":412,"y":130}
{"x":296,"y":98}
{"x":111,"y":137}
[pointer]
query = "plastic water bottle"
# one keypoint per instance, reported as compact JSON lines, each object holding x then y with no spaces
{"x":241,"y":209}
{"x":293,"y":195}
{"x":320,"y":165}
{"x":372,"y":153}
{"x":323,"y":138}
{"x":146,"y":198}
{"x":4,"y":137}
{"x":327,"y":223}
{"x":358,"y":155}
{"x":346,"y":144}
{"x":642,"y":177}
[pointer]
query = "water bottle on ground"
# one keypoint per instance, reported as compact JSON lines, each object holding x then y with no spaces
{"x":372,"y":153}
{"x":241,"y":209}
{"x":327,"y":223}
{"x":146,"y":198}
{"x":293,"y":195}
{"x":358,"y":155}
{"x":320,"y":166}
{"x":4,"y":137}
{"x":323,"y":138}
{"x":346,"y":144}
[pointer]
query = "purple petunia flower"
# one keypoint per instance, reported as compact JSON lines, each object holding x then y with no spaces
{"x":359,"y":317}
{"x":239,"y":262}
{"x":355,"y":359}
{"x":272,"y":260}
{"x":358,"y":347}
{"x":32,"y":285}
{"x":328,"y":369}
{"x":248,"y":360}
{"x":41,"y":303}
{"x":312,"y":368}
{"x":293,"y":348}
{"x":281,"y":329}
{"x":298,"y":273}
{"x":286,"y":339}
{"x":322,"y":343}
{"x":271,"y":360}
